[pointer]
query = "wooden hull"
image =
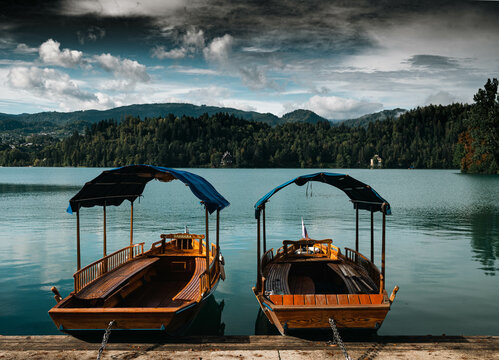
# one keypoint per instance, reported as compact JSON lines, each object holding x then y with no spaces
{"x":155,"y":291}
{"x":170,"y":320}
{"x":365,"y":317}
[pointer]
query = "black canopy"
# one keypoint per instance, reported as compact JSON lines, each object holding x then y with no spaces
{"x":362,"y":195}
{"x":112,"y":187}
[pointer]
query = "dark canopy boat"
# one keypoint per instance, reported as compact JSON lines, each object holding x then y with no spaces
{"x":307,"y":282}
{"x":158,"y":289}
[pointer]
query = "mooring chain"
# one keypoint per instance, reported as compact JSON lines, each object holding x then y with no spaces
{"x":337,"y":339}
{"x":105,"y":339}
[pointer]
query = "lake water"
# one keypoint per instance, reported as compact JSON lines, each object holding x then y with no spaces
{"x":442,"y":240}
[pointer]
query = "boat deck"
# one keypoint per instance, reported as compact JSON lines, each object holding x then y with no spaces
{"x":110,"y":282}
{"x":317,"y":277}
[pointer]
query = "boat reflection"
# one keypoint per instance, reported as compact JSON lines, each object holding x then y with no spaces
{"x":208,"y":322}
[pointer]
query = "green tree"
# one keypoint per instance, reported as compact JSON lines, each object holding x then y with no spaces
{"x":482,"y":147}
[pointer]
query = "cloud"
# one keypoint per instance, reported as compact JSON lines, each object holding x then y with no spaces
{"x":441,"y":98}
{"x":191,"y":42}
{"x":255,"y":78}
{"x":123,"y":68}
{"x":50,"y":53}
{"x":219,"y":49}
{"x":47,"y":82}
{"x":193,"y":71}
{"x":122,"y":8}
{"x":159,"y":52}
{"x":92,"y":34}
{"x":337,"y":108}
{"x":25,"y":49}
{"x":433,"y":61}
{"x":193,"y":38}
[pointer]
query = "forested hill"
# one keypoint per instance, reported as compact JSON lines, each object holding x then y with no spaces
{"x":424,"y":138}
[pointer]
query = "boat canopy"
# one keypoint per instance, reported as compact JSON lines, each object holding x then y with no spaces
{"x":112,"y":187}
{"x":362,"y":195}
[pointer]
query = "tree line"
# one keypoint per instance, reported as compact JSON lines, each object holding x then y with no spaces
{"x":428,"y":137}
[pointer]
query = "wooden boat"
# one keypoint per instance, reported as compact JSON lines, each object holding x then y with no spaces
{"x":158,"y":289}
{"x":307,"y":282}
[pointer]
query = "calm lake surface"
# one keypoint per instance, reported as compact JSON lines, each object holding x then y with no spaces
{"x":442,"y":240}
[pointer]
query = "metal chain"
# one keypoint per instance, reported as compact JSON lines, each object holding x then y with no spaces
{"x":337,"y":339}
{"x":105,"y":339}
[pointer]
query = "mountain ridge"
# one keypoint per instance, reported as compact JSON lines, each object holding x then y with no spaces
{"x":181,"y":109}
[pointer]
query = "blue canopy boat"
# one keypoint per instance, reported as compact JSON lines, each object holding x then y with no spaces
{"x":158,"y":289}
{"x":307,"y":283}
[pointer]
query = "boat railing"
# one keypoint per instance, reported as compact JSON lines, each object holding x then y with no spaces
{"x":307,"y":247}
{"x":181,"y":241}
{"x":108,"y":263}
{"x":359,"y":259}
{"x":267,"y":257}
{"x":209,"y":275}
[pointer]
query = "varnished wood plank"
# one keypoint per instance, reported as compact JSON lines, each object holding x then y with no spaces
{"x":376,"y":298}
{"x":310,"y":299}
{"x":353,"y":299}
{"x":109,"y":282}
{"x":287,"y":299}
{"x":299,"y":299}
{"x":276,"y":299}
{"x":364,"y":299}
{"x":343,"y":299}
{"x":320,"y":299}
{"x":331,"y":299}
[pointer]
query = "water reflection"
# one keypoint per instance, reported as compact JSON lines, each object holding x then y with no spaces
{"x":34,"y":188}
{"x":485,"y":239}
{"x":209,"y":319}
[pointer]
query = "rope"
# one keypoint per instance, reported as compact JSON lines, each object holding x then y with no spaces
{"x":337,"y":339}
{"x":105,"y":339}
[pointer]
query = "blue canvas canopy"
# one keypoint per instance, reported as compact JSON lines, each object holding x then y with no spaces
{"x":112,"y":187}
{"x":362,"y":195}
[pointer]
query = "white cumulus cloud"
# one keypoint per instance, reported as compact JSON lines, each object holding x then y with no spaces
{"x":25,"y":49}
{"x":338,"y":108}
{"x":50,"y":53}
{"x":159,"y":52}
{"x":47,"y":82}
{"x":123,"y":68}
{"x":219,"y":49}
{"x":191,"y":42}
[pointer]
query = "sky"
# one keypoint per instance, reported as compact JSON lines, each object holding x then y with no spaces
{"x":341,"y":59}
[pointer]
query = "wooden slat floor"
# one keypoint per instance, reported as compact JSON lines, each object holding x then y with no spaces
{"x":110,"y":282}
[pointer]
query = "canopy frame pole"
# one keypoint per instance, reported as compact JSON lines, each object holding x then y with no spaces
{"x":104,"y":250}
{"x":78,"y":258}
{"x":207,"y":244}
{"x":218,"y":236}
{"x":258,"y":270}
{"x":372,"y":235}
{"x":130,"y":256}
{"x":264,"y":232}
{"x":383,"y":248}
{"x":356,"y":229}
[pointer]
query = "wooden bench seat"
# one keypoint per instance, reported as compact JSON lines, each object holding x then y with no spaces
{"x":191,"y":291}
{"x":327,"y":299}
{"x":111,"y":281}
{"x":277,"y":279}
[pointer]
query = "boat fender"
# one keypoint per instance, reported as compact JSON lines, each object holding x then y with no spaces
{"x":57,"y":296}
{"x":221,"y":259}
{"x":394,"y":293}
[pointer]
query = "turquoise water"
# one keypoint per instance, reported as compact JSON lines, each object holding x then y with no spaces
{"x":442,"y":240}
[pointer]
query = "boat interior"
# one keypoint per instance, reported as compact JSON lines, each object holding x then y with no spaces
{"x":316,"y":269}
{"x":168,"y":275}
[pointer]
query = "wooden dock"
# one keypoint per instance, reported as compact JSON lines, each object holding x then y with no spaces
{"x":251,"y":347}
